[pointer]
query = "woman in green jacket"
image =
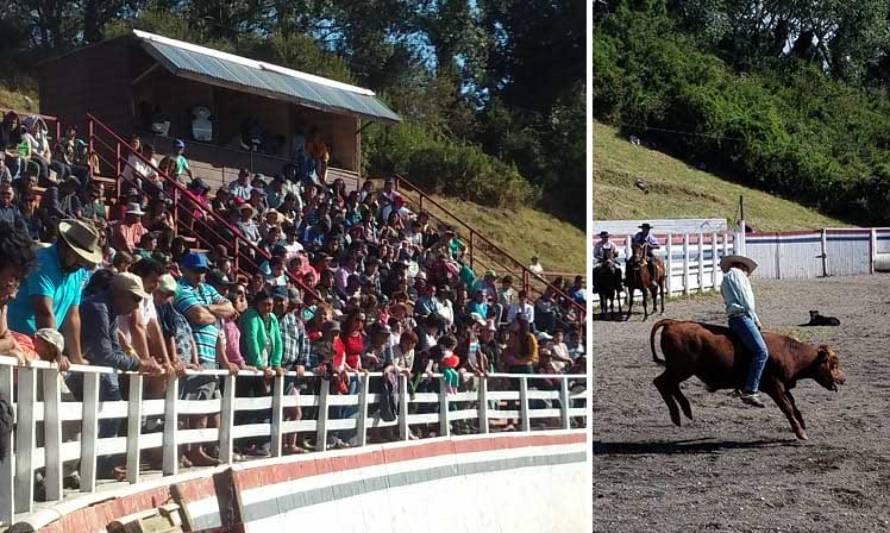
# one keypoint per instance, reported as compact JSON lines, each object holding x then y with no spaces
{"x":261,"y":348}
{"x":261,"y":335}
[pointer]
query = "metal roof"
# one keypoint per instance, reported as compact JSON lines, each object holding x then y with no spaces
{"x":228,"y":70}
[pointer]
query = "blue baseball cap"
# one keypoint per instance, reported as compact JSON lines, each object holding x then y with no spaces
{"x":195,"y":261}
{"x":179,"y":143}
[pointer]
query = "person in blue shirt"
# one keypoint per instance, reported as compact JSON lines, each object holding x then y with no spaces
{"x":50,"y":296}
{"x":644,"y":238}
{"x":743,"y":320}
{"x":478,"y":304}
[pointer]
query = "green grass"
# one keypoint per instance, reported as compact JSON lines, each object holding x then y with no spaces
{"x":526,"y":232}
{"x":15,"y":94}
{"x":678,"y":190}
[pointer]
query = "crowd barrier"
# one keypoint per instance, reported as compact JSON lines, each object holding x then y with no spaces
{"x":557,"y":400}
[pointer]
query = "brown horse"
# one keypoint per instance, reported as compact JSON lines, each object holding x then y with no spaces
{"x":645,"y":277}
{"x":607,"y":280}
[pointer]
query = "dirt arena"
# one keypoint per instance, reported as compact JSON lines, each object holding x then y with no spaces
{"x":739,"y":468}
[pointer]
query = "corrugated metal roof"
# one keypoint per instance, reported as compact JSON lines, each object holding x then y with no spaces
{"x":220,"y":68}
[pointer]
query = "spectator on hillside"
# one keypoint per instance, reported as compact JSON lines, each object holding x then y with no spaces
{"x":535,"y":266}
{"x":127,"y":234}
{"x":50,"y":296}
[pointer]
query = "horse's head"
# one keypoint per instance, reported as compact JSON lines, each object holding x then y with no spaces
{"x":827,"y":369}
{"x":638,"y":254}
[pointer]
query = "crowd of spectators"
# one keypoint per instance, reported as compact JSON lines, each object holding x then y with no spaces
{"x":345,"y":282}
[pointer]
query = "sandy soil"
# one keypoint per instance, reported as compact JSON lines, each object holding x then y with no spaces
{"x":738,"y":468}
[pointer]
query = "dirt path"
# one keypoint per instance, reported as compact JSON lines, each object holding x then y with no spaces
{"x":737,"y":468}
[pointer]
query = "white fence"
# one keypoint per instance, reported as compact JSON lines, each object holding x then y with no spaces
{"x":692,"y":261}
{"x":811,"y":254}
{"x":559,"y":400}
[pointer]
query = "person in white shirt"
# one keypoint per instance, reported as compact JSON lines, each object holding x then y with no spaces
{"x":601,"y":247}
{"x":743,"y":320}
{"x":521,"y":307}
{"x":535,"y":266}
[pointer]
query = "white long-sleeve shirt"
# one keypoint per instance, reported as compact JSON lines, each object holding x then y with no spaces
{"x":738,"y":294}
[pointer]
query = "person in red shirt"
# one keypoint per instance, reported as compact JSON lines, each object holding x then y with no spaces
{"x":128,"y":233}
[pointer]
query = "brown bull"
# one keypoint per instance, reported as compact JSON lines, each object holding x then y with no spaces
{"x":714,"y":355}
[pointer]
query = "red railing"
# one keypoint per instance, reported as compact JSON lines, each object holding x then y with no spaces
{"x":239,"y":245}
{"x":506,"y":262}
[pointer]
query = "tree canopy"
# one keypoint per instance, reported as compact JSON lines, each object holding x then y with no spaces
{"x":492,"y":90}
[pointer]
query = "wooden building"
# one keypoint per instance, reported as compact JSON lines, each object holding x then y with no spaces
{"x":141,"y":82}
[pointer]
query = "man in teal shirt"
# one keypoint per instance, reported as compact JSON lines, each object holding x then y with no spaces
{"x":50,"y":296}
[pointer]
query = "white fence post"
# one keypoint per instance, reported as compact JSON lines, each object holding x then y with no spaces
{"x":134,"y":427}
{"x":52,"y":433}
{"x":404,"y":431}
{"x":669,"y":263}
{"x":277,"y":416}
{"x":701,"y":263}
{"x":25,"y":440}
{"x":483,"y":405}
{"x":361,"y":424}
{"x":227,"y":419}
{"x":824,"y":253}
{"x":715,"y":261}
{"x":564,"y":403}
{"x":726,"y":244}
{"x":171,"y":425}
{"x":321,"y":426}
{"x":873,"y":250}
{"x":7,"y":471}
{"x":627,"y":247}
{"x":444,"y":424}
{"x":89,"y":432}
{"x":523,"y":404}
{"x":686,"y":264}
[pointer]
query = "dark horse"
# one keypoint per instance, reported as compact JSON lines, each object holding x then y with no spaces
{"x":607,"y":280}
{"x":640,"y":277}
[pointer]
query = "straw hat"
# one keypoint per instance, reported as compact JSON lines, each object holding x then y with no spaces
{"x":83,"y":238}
{"x":730,"y":260}
{"x":53,"y":337}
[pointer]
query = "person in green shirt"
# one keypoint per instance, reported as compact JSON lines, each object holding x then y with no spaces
{"x":182,"y":164}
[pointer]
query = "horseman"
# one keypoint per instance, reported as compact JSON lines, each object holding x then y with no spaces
{"x":604,"y":252}
{"x":645,"y":239}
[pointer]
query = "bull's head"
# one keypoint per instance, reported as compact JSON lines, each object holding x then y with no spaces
{"x":827,"y":369}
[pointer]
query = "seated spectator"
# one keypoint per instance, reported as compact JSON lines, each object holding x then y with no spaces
{"x":136,"y":169}
{"x":127,"y":234}
{"x":30,"y":215}
{"x":535,"y":266}
{"x":247,"y":225}
{"x":241,"y":187}
{"x":122,"y":262}
{"x":16,"y":260}
{"x":521,"y":308}
{"x":65,"y":155}
{"x":93,"y":205}
{"x":10,"y":139}
{"x":69,"y":197}
{"x":9,"y":212}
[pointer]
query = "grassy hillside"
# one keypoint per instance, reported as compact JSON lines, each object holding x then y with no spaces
{"x":525,"y":232}
{"x":677,"y":190}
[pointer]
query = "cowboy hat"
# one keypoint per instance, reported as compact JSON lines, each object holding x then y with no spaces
{"x":82,"y":238}
{"x":134,"y":208}
{"x":606,"y":233}
{"x":129,"y":283}
{"x":727,"y":261}
{"x":645,"y":225}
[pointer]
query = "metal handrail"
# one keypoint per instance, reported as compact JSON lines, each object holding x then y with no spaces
{"x":473,"y":232}
{"x":181,"y":189}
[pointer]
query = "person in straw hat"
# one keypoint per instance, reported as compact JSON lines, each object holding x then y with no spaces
{"x":743,"y":320}
{"x":50,"y":296}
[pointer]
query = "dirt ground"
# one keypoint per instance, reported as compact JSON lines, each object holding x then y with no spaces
{"x":739,"y":468}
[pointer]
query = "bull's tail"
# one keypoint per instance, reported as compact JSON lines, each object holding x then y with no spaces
{"x":658,"y":325}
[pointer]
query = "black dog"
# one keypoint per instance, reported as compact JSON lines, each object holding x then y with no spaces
{"x":818,"y":320}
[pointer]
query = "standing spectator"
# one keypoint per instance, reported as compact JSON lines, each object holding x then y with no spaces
{"x":182,"y":163}
{"x":141,"y":330}
{"x":296,"y":352}
{"x":521,"y":354}
{"x":101,"y":348}
{"x":51,"y":294}
{"x":319,"y":153}
{"x":126,"y":234}
{"x":204,"y":307}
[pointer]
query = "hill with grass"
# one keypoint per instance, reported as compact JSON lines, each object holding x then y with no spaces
{"x":679,"y":190}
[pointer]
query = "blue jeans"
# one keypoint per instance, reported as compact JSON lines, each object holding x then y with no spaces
{"x":747,"y":331}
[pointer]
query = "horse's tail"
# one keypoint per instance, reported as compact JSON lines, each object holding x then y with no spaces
{"x":658,"y":325}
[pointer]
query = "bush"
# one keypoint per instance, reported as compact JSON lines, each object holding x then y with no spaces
{"x":442,"y":165}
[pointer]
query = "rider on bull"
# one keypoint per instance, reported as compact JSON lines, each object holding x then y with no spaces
{"x":643,"y":237}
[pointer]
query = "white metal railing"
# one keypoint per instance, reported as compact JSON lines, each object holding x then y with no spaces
{"x":562,"y":401}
